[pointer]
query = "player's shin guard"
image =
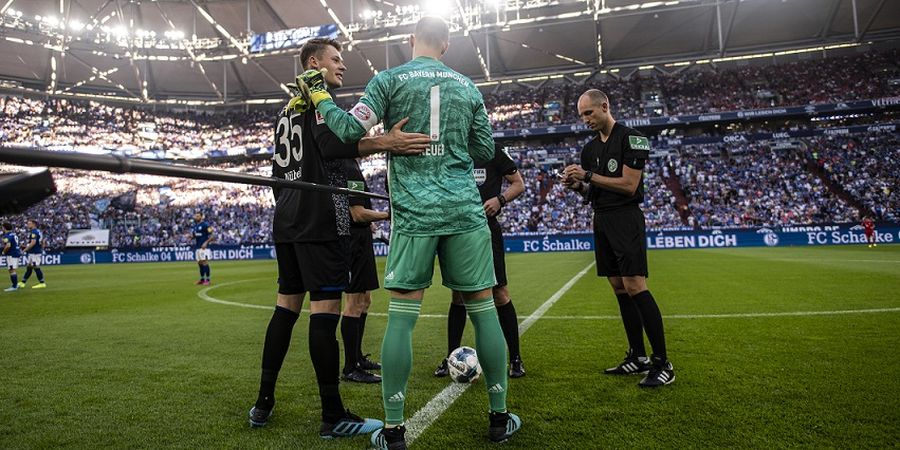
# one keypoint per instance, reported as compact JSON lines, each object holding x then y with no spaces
{"x":28,"y":275}
{"x":40,"y":274}
{"x":456,"y":325}
{"x":278,"y":339}
{"x":509,"y":322}
{"x":653,"y":323}
{"x":326,"y":359}
{"x":631,"y":318}
{"x":396,"y":357}
{"x":491,"y":349}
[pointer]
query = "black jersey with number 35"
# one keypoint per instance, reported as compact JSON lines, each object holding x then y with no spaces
{"x":306,"y":150}
{"x":624,"y":147}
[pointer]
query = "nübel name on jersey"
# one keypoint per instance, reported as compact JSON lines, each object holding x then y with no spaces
{"x":294,"y":174}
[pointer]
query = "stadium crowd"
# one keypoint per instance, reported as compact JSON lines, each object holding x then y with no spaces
{"x":866,"y":166}
{"x":699,"y":186}
{"x":704,"y":89}
{"x":734,"y":185}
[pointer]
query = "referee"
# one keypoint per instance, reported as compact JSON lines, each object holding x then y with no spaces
{"x":363,"y":279}
{"x":489,"y":176}
{"x":311,"y":231}
{"x":610,"y":177}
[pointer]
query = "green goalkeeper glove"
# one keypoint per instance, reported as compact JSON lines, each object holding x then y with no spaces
{"x":315,"y":82}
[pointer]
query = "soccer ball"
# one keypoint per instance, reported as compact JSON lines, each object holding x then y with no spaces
{"x":463,"y":365}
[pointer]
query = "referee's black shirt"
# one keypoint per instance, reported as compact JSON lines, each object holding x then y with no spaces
{"x":357,"y":182}
{"x":625,"y":146}
{"x":489,"y":174}
{"x":307,"y":150}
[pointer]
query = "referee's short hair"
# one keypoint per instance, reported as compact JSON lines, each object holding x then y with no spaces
{"x":7,"y":226}
{"x":433,"y":32}
{"x":314,"y":47}
{"x":597,"y":96}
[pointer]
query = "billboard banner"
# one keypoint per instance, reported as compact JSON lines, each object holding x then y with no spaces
{"x":785,"y":236}
{"x":88,"y":238}
{"x":786,"y":111}
{"x":291,"y":38}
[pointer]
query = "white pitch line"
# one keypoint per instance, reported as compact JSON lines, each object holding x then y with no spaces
{"x":204,"y":295}
{"x":441,"y":402}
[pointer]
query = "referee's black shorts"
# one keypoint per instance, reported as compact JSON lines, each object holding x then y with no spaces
{"x":499,"y":251}
{"x":363,"y":272}
{"x":320,"y":268}
{"x":620,"y":243}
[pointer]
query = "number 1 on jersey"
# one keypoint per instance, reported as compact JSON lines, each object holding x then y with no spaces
{"x":435,"y":113}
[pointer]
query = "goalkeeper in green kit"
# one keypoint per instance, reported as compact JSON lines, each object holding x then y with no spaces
{"x":436,"y":208}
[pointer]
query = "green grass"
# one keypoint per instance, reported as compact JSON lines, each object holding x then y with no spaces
{"x":116,"y":356}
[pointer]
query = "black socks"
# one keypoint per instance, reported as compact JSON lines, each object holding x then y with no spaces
{"x":278,"y":339}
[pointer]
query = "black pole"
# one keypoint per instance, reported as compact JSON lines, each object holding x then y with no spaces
{"x":29,"y":156}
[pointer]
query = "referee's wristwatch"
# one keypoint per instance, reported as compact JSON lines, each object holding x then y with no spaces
{"x":502,"y":200}
{"x":587,"y":176}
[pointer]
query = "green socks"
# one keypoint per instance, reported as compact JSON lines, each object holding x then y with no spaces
{"x":396,"y":356}
{"x":491,"y":348}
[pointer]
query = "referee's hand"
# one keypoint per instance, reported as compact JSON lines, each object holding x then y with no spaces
{"x":573,"y":172}
{"x":403,"y":143}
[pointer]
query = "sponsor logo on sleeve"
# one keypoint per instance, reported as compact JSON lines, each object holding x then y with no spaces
{"x":639,"y":143}
{"x":480,"y":176}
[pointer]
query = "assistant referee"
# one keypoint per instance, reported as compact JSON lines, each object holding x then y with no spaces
{"x":610,"y":177}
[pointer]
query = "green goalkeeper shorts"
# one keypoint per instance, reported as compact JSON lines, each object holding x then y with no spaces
{"x":467,"y":261}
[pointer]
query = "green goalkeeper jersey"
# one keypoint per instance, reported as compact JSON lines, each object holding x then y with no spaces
{"x":433,"y":193}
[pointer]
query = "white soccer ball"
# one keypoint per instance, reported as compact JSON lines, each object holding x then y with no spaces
{"x":463,"y":365}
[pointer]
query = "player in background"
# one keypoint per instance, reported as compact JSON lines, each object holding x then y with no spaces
{"x":489,"y":177}
{"x":869,"y":228}
{"x":311,"y":231}
{"x":435,"y":208}
{"x":35,"y":251}
{"x":203,"y":236}
{"x":12,"y":253}
{"x":363,"y":279}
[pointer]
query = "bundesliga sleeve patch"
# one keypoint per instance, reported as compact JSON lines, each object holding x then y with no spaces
{"x":320,"y":119}
{"x":639,"y":143}
{"x":364,"y":115}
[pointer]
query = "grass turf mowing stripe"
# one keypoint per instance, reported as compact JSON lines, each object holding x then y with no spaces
{"x":424,"y":417}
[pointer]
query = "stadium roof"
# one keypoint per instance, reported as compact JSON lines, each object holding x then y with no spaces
{"x":143,"y":49}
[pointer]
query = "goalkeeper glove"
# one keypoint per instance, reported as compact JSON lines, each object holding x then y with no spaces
{"x":315,"y":82}
{"x":300,"y":94}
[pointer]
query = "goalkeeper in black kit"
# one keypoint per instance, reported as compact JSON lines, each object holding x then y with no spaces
{"x":312,"y":241}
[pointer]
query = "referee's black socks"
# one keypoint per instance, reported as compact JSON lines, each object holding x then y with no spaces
{"x":326,"y":358}
{"x":631,"y":318}
{"x":456,"y":324}
{"x":350,"y":334}
{"x":510,"y":325}
{"x":653,"y":323}
{"x":278,"y":339}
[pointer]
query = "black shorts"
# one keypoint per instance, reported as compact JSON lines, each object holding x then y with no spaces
{"x":363,"y":272}
{"x":321,"y":268}
{"x":499,"y":252}
{"x":620,"y":243}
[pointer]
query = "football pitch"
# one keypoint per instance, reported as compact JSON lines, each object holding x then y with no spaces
{"x":772,"y":347}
